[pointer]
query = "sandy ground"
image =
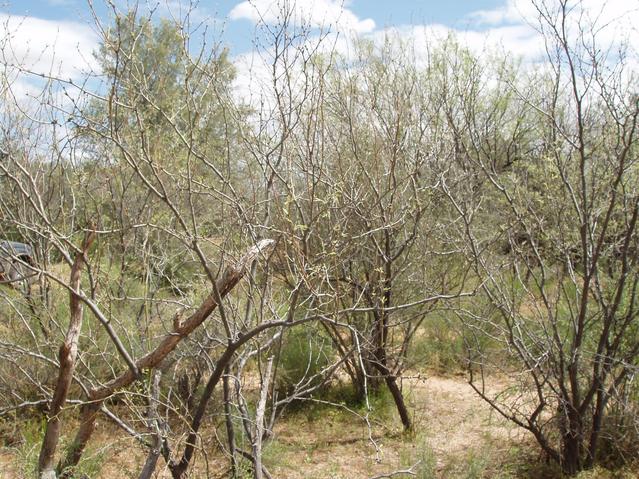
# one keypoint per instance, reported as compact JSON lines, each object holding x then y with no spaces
{"x":452,"y":427}
{"x":455,"y":430}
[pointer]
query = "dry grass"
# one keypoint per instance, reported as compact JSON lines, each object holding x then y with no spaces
{"x":456,"y":436}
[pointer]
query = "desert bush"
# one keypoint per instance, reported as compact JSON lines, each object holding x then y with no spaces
{"x":304,"y":355}
{"x":438,"y":345}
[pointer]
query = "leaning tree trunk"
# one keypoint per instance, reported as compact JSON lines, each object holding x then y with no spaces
{"x":67,"y":356}
{"x":229,"y":279}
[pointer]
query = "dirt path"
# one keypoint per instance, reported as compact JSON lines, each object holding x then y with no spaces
{"x":461,"y":428}
{"x":455,"y":416}
{"x":454,"y":430}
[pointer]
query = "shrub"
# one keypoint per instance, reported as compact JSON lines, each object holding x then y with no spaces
{"x":305,"y":352}
{"x":438,"y":345}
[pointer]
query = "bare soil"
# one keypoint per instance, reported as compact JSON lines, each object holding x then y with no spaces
{"x":452,"y":426}
{"x":456,"y":435}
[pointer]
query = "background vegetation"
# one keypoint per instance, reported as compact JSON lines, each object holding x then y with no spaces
{"x":206,"y":267}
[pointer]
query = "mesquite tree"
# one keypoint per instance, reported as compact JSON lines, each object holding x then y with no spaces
{"x":346,"y":145}
{"x":129,"y":196}
{"x":547,"y":195}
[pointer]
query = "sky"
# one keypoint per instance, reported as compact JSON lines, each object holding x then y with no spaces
{"x":402,"y":10}
{"x":382,"y":12}
{"x":60,"y":35}
{"x":234,"y":16}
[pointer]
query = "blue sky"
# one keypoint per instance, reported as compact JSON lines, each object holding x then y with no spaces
{"x":58,"y":37}
{"x":385,"y":13}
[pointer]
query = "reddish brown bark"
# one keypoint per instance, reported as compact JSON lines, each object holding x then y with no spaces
{"x":182,"y":329}
{"x":67,"y":357}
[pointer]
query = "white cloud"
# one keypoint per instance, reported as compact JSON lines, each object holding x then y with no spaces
{"x":614,"y":21}
{"x":513,"y":11}
{"x":61,"y":3}
{"x":32,"y":49}
{"x":252,"y":75}
{"x":40,"y":46}
{"x":518,"y":40}
{"x":180,"y":11}
{"x":513,"y":28}
{"x":317,"y":13}
{"x":601,"y":11}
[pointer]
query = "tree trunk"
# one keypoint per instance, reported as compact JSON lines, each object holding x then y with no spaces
{"x":67,"y":356}
{"x":153,"y":423}
{"x":572,"y":436}
{"x":381,"y":340}
{"x":259,"y":421}
{"x":391,"y":383}
{"x":182,"y":329}
{"x":398,"y":397}
{"x":230,"y":431}
{"x":88,"y":416}
{"x":597,"y":420}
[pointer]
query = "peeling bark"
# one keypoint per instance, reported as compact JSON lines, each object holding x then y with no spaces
{"x":67,"y":357}
{"x":229,"y":279}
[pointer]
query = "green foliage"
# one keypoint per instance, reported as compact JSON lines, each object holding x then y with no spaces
{"x":32,"y":432}
{"x":158,"y":78}
{"x":91,"y":463}
{"x":438,"y":345}
{"x":179,"y":274}
{"x":476,"y":466}
{"x":422,"y":454}
{"x":275,"y":452}
{"x":304,"y":354}
{"x":24,"y":326}
{"x":620,"y":434}
{"x":28,"y":449}
{"x":382,"y":406}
